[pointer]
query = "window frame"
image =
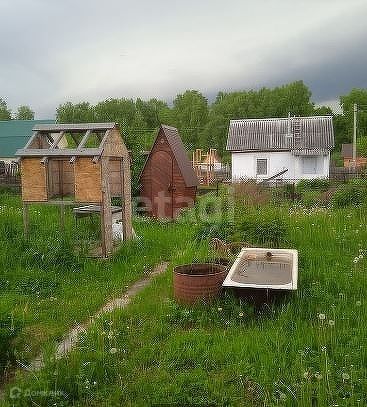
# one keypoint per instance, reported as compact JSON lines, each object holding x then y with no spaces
{"x":257,"y":159}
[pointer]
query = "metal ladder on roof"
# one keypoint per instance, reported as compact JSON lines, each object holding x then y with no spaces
{"x":296,"y":131}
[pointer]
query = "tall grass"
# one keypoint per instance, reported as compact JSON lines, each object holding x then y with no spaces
{"x":308,"y":349}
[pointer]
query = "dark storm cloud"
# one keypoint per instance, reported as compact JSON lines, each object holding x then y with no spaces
{"x":90,"y":50}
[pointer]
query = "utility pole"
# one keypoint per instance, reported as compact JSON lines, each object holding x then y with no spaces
{"x":355,"y":109}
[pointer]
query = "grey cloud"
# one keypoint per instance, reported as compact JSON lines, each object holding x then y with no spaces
{"x":89,"y":50}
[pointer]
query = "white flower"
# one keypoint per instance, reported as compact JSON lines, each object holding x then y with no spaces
{"x":358,"y":303}
{"x":282,"y":396}
{"x":306,"y":375}
{"x":322,"y":317}
{"x":318,"y":376}
{"x":331,"y":322}
{"x":113,"y":351}
{"x":345,"y":376}
{"x":220,"y":309}
{"x":240,"y":314}
{"x":355,"y":260}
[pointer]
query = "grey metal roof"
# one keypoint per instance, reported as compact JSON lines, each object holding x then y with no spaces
{"x":279,"y":134}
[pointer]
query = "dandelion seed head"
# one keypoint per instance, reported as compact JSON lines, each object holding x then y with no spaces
{"x":322,"y":317}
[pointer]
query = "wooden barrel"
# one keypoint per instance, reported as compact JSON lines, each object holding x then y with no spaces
{"x":200,"y":282}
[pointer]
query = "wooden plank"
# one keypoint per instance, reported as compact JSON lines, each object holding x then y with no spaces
{"x":76,"y":127}
{"x":57,"y":140}
{"x":84,"y":139}
{"x":126,"y":197}
{"x":106,"y":212}
{"x":34,"y":180}
{"x":26,"y":218}
{"x":65,"y":152}
{"x":88,"y":181}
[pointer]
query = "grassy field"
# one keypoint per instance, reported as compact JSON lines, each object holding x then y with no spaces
{"x":308,"y":349}
{"x":45,"y":288}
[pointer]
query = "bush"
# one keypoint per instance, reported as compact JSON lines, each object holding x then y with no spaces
{"x":267,"y":229}
{"x":348,"y":194}
{"x":222,"y":229}
{"x":317,"y":184}
{"x":8,"y":330}
{"x":310,"y":198}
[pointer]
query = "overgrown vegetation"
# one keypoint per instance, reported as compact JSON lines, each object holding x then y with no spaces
{"x":307,"y":349}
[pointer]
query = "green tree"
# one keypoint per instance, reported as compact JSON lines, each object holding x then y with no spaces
{"x":79,"y":113}
{"x":5,"y":113}
{"x":190,"y":113}
{"x":322,"y":111}
{"x":25,"y":113}
{"x":358,"y":96}
{"x":362,"y":146}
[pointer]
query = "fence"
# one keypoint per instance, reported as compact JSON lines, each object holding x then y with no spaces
{"x":9,"y":174}
{"x":344,"y":174}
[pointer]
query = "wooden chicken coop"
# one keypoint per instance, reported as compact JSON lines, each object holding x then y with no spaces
{"x":74,"y":164}
{"x":168,"y":182}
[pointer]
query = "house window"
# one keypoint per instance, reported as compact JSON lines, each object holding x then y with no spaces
{"x":261,"y":166}
{"x":309,"y":165}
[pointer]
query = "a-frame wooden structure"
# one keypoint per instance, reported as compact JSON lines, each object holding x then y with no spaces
{"x":70,"y":164}
{"x":168,"y":182}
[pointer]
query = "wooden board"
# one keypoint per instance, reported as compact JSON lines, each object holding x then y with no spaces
{"x":60,"y":178}
{"x":115,"y":177}
{"x":88,"y":181}
{"x":34,"y":180}
{"x":162,"y":179}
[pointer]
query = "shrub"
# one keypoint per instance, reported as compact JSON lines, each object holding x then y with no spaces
{"x":222,"y":229}
{"x":310,"y":198}
{"x":317,"y":184}
{"x":266,"y":229}
{"x":8,"y":330}
{"x":348,"y":194}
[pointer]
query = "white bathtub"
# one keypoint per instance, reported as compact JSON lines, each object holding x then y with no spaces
{"x":275,"y":269}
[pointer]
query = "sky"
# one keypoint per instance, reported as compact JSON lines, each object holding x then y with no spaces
{"x":53,"y":51}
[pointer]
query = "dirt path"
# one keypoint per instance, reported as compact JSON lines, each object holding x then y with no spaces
{"x":70,"y":340}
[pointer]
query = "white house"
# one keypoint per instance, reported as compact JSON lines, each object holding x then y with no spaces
{"x":297,"y":147}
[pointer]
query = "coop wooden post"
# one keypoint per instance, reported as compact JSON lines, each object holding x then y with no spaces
{"x":106,"y":211}
{"x":126,"y":203}
{"x":26,"y":218}
{"x":62,"y":217}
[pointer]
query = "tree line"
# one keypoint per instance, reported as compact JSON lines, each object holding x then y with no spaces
{"x":23,"y":112}
{"x":203,"y":124}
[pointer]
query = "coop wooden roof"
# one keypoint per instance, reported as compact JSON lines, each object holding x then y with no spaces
{"x":179,"y":153}
{"x":50,"y":146}
{"x":295,"y":133}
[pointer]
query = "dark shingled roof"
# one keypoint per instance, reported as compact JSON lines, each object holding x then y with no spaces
{"x":180,"y":154}
{"x":291,"y":134}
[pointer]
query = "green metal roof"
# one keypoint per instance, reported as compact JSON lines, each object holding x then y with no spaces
{"x":14,"y":134}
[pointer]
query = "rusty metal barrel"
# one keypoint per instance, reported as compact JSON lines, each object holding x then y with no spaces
{"x":202,"y":282}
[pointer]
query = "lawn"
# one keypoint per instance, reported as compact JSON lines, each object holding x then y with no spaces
{"x":307,"y":349}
